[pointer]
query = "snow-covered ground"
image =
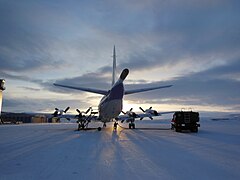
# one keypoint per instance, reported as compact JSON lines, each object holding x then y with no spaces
{"x":56,"y":151}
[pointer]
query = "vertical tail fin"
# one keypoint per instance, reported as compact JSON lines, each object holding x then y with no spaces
{"x":114,"y":66}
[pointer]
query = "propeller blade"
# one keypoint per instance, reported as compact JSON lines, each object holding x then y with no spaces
{"x":88,"y":110}
{"x":56,"y":109}
{"x":79,"y":112}
{"x":141,"y":109}
{"x":66,"y":109}
{"x":151,"y":117}
{"x":123,"y":112}
{"x":150,"y":108}
{"x":141,"y":118}
{"x":131,"y":109}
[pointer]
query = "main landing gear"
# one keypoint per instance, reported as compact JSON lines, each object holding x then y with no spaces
{"x":104,"y":125}
{"x":115,"y":126}
{"x":83,"y":124}
{"x":131,"y":125}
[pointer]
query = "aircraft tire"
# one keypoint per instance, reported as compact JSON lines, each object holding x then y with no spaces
{"x":99,"y":128}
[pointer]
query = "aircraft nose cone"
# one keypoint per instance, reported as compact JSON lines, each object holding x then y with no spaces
{"x":124,"y":74}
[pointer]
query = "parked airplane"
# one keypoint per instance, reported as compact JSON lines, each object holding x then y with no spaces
{"x":110,"y":105}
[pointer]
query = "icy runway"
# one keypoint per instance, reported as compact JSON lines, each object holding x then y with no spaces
{"x":56,"y":151}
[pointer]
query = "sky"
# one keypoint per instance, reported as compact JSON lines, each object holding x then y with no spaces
{"x":192,"y":44}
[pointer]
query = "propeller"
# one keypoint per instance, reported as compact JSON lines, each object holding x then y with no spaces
{"x":131,"y":114}
{"x":149,"y":111}
{"x":80,"y":114}
{"x":59,"y":112}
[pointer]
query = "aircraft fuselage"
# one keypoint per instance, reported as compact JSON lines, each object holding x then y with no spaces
{"x":110,"y":105}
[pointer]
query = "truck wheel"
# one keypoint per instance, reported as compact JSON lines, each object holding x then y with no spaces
{"x":178,"y":129}
{"x":194,"y":129}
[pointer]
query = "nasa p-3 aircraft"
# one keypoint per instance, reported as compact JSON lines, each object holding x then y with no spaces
{"x":110,"y":105}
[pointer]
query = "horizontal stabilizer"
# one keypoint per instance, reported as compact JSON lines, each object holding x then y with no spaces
{"x":97,"y":91}
{"x":145,"y":89}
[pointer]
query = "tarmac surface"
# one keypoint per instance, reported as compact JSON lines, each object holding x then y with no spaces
{"x":58,"y":151}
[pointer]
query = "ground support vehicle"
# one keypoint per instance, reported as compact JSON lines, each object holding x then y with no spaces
{"x":185,"y":120}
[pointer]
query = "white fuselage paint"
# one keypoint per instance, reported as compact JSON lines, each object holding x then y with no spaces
{"x":109,"y":110}
{"x":111,"y":104}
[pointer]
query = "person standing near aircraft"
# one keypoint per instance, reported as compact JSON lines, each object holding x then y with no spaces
{"x":115,"y":125}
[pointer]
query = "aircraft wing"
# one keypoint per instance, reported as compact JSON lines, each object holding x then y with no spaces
{"x":169,"y":112}
{"x":97,"y":91}
{"x":145,"y":89}
{"x":125,"y":118}
{"x":141,"y":116}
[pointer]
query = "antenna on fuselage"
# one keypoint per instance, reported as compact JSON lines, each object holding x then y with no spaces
{"x":114,"y":66}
